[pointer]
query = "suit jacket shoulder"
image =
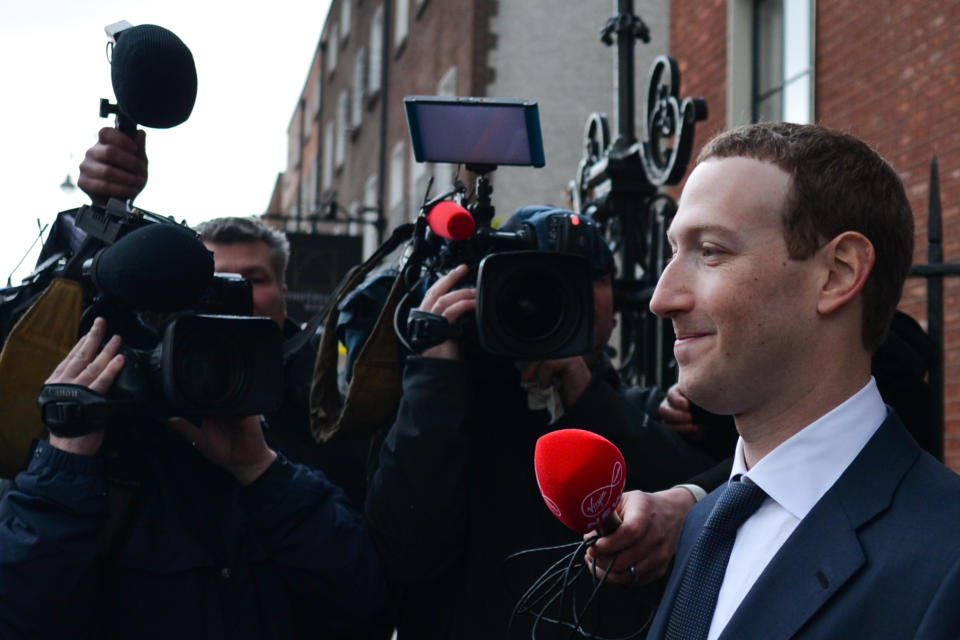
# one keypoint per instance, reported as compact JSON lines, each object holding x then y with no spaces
{"x":878,"y":556}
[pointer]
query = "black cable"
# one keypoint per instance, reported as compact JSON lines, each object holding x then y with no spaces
{"x":555,"y":583}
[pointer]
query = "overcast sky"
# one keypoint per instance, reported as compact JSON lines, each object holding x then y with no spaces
{"x":252,"y":62}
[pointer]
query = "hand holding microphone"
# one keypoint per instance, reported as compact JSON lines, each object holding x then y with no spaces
{"x":155,"y":81}
{"x":581,"y":477}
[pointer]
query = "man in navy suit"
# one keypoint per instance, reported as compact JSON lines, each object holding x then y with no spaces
{"x":791,"y":245}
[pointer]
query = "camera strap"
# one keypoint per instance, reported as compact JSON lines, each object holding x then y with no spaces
{"x":374,"y":389}
{"x":351,"y":280}
{"x":426,"y":329}
{"x":71,"y":410}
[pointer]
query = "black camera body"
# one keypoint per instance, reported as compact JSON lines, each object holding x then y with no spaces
{"x":206,"y":365}
{"x":190,"y":343}
{"x":532,"y":303}
{"x":534,"y":286}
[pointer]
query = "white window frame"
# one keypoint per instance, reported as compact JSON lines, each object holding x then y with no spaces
{"x":357,"y":91}
{"x":401,"y":23}
{"x":395,"y":194}
{"x":376,"y":52}
{"x":333,"y":47}
{"x":343,"y":124}
{"x":327,"y":169}
{"x":345,"y":15}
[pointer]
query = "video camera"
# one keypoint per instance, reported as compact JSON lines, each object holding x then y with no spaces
{"x":534,"y":285}
{"x":191,"y":346}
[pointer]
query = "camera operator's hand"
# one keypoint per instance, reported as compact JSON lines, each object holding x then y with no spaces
{"x":571,"y":375}
{"x":89,"y":366}
{"x":646,"y":540}
{"x":115,"y":167}
{"x":235,"y":443}
{"x":451,"y":305}
{"x":676,"y":414}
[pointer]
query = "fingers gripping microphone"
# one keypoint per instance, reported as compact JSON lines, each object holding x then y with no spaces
{"x":159,"y":267}
{"x":154,"y":77}
{"x":581,"y":477}
{"x":449,"y":220}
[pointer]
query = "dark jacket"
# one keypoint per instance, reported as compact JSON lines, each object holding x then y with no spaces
{"x":455,"y":494}
{"x":343,"y":461}
{"x":195,"y":555}
{"x":877,"y":557}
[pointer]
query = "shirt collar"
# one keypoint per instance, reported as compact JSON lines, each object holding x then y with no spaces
{"x":802,"y":469}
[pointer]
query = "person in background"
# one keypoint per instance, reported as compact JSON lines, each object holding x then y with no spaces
{"x":116,"y":166}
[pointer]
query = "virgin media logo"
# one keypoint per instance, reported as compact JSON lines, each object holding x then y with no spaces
{"x":598,"y":500}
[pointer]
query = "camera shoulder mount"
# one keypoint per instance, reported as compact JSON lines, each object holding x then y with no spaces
{"x":71,"y":410}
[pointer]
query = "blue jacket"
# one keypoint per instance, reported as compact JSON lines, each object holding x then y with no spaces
{"x":197,"y":554}
{"x":877,"y":557}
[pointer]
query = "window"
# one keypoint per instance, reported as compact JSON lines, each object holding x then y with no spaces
{"x":395,"y":196}
{"x":419,"y":178}
{"x":448,"y":83}
{"x":370,"y":194}
{"x":356,"y":104}
{"x":318,"y":91}
{"x":782,"y":61}
{"x":376,"y":52}
{"x":333,"y":44}
{"x":308,"y":194}
{"x":345,"y":19}
{"x":295,"y":139}
{"x":340,"y":149}
{"x":327,"y":180}
{"x":401,"y":24}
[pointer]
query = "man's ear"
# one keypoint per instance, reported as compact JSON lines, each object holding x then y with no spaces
{"x":848,"y":260}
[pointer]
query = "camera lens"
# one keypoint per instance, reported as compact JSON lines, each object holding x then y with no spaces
{"x":531,"y":305}
{"x":534,"y":305}
{"x":208,"y":369}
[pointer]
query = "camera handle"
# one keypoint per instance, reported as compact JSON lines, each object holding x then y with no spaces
{"x":71,"y":410}
{"x":482,"y":210}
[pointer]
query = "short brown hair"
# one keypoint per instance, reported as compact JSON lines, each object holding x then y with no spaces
{"x":233,"y":230}
{"x":838,"y":183}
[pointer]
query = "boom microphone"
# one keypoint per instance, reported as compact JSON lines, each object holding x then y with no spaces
{"x":449,"y":220}
{"x":158,"y":267}
{"x":154,"y":77}
{"x":581,"y":477}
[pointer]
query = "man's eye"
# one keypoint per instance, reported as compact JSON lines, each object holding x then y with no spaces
{"x":709,"y":251}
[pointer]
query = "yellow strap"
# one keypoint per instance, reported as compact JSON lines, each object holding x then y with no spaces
{"x":38,"y":342}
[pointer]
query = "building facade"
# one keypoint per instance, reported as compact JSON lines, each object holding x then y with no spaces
{"x":350,"y":156}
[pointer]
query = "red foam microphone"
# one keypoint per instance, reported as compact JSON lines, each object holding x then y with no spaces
{"x":449,"y":220}
{"x":581,"y":476}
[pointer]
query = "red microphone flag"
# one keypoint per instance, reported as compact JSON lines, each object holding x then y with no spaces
{"x":449,"y":220}
{"x":581,"y":476}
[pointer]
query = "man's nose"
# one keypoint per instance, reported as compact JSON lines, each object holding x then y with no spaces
{"x":671,"y":295}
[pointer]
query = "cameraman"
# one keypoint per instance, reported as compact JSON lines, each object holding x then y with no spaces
{"x":216,"y":536}
{"x":117,"y":167}
{"x":455,"y":492}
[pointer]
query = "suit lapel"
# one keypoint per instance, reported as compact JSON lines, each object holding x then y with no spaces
{"x":825,"y":552}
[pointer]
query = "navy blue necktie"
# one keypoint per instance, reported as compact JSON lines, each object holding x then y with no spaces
{"x":696,"y":598}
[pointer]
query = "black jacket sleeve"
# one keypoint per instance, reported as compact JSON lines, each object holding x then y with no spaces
{"x":51,"y":545}
{"x":422,"y":472}
{"x":306,"y":526}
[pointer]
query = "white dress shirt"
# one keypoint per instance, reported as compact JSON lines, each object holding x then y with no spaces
{"x":794,"y":476}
